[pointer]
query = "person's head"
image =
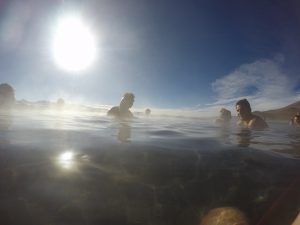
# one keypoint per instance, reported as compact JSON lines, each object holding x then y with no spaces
{"x":225,"y":114}
{"x":127,"y":101}
{"x":224,"y":216}
{"x":147,"y":112}
{"x":243,"y":108}
{"x":296,"y":119}
{"x":7,"y":95}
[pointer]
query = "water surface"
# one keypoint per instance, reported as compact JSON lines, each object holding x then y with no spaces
{"x":85,"y":168}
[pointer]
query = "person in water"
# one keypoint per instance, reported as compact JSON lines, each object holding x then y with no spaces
{"x":123,"y":111}
{"x":246,"y":118}
{"x":7,"y":96}
{"x":148,"y":112}
{"x":295,"y":120}
{"x":225,"y":116}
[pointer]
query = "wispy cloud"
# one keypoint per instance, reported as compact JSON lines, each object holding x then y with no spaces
{"x":263,"y":82}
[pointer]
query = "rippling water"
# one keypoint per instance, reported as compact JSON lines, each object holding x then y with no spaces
{"x":67,"y":168}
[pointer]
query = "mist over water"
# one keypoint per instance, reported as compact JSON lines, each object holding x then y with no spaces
{"x":62,"y":167}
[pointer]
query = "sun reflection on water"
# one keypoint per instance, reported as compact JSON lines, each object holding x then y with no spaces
{"x":66,"y":160}
{"x":70,"y":160}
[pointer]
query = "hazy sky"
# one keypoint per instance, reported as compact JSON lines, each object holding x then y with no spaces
{"x":170,"y":54}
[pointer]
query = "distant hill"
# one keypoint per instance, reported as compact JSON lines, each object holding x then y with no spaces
{"x":284,"y":113}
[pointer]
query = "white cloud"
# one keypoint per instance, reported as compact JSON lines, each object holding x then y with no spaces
{"x":262,"y":82}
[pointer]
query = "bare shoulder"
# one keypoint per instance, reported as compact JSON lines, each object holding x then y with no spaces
{"x":114,"y":111}
{"x":257,"y":123}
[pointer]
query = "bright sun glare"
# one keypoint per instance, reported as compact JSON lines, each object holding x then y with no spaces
{"x":74,"y":45}
{"x":66,"y":159}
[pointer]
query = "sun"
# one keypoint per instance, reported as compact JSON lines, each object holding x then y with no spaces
{"x":74,"y":46}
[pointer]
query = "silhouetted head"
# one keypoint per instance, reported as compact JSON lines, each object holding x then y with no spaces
{"x":60,"y":102}
{"x":7,"y":95}
{"x":147,"y":112}
{"x":243,"y":108}
{"x":224,"y":216}
{"x":225,"y":114}
{"x":127,"y":101}
{"x":296,"y":119}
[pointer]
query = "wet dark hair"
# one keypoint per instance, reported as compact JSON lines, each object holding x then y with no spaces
{"x":245,"y":103}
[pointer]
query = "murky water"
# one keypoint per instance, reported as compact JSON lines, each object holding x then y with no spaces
{"x":65,"y":168}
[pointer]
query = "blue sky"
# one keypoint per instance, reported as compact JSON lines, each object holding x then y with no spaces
{"x":171,"y":54}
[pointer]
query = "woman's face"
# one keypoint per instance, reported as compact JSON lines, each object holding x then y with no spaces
{"x":242,"y":111}
{"x":297,"y":120}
